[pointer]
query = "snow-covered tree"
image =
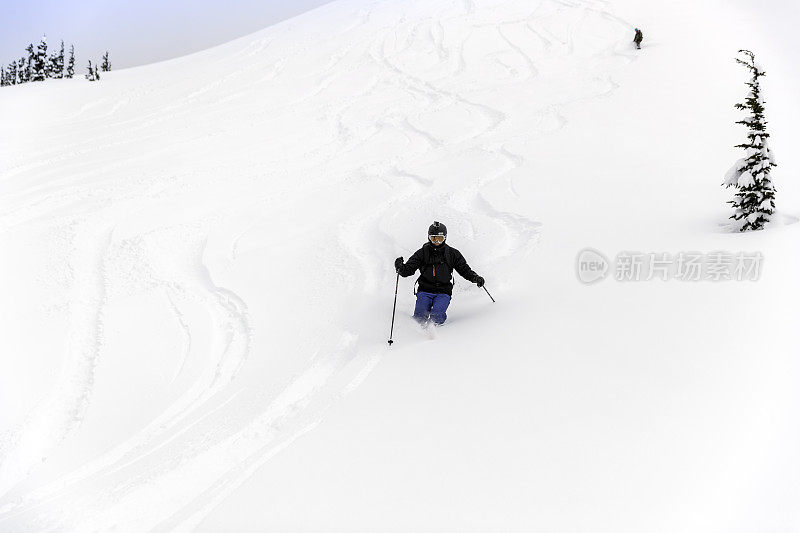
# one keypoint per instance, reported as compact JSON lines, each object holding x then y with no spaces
{"x":40,"y":64}
{"x":92,"y":74}
{"x":71,"y":64}
{"x":51,"y":66}
{"x":2,"y":76}
{"x":106,"y":66}
{"x":11,"y":79}
{"x":23,"y":75}
{"x":754,"y":200}
{"x":31,"y":63}
{"x":57,"y":63}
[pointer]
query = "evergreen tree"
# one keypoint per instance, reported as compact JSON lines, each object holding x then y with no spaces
{"x":29,"y":76}
{"x":59,"y":64}
{"x":93,"y":74}
{"x":51,"y":66}
{"x":2,"y":76}
{"x":22,"y":70}
{"x":754,"y":200}
{"x":45,"y":57}
{"x":71,"y":64}
{"x":56,"y":63}
{"x":12,"y":73}
{"x":106,"y":66}
{"x":40,"y":65}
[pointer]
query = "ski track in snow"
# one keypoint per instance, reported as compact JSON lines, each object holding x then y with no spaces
{"x":411,"y":64}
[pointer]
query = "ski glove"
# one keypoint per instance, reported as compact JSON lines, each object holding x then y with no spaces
{"x":480,"y":281}
{"x":398,"y":263}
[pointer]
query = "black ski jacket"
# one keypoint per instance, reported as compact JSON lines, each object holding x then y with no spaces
{"x":436,"y":265}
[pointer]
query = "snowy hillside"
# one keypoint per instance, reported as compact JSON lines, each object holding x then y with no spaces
{"x":197,"y":279}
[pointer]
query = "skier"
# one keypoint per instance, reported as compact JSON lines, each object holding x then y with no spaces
{"x":637,"y":38}
{"x":435,"y":262}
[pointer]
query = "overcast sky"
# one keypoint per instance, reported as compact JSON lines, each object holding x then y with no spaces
{"x":137,"y":32}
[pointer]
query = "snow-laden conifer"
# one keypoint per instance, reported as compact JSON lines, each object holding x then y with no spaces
{"x":41,"y":66}
{"x":11,"y":79}
{"x":93,"y":74}
{"x":754,"y":200}
{"x":31,"y":63}
{"x":22,"y":70}
{"x":57,"y":63}
{"x":71,"y":63}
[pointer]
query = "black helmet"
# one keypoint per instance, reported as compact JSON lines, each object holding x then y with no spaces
{"x":437,"y":233}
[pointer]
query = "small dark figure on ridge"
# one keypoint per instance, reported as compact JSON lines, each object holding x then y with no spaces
{"x":637,"y":38}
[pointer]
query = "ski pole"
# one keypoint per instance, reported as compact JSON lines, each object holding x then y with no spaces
{"x":487,"y":292}
{"x":391,"y":332}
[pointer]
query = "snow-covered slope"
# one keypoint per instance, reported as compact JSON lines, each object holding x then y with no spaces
{"x":197,"y":279}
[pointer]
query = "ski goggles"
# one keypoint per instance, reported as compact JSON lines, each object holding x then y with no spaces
{"x":436,"y":239}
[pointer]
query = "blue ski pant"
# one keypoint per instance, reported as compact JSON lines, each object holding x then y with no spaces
{"x":431,"y":304}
